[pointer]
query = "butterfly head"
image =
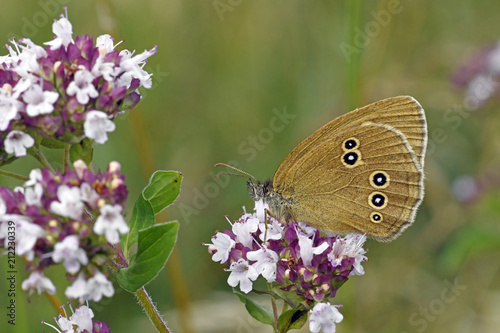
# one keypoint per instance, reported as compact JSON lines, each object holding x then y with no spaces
{"x":258,"y":190}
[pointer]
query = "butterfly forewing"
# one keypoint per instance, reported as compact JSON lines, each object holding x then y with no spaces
{"x":403,"y":113}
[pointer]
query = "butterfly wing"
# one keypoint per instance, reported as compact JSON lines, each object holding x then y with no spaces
{"x":402,"y":113}
{"x":365,"y":177}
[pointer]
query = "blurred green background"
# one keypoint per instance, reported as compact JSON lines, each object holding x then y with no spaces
{"x":224,"y":71}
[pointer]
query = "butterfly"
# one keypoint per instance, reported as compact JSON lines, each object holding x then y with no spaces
{"x":362,"y":172}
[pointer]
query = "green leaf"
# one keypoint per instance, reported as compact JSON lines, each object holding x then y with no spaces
{"x":52,"y":143}
{"x":154,"y":248}
{"x":290,"y":296}
{"x":259,"y":312}
{"x":142,"y":217}
{"x":82,"y":151}
{"x":162,"y":189}
{"x":292,"y":320}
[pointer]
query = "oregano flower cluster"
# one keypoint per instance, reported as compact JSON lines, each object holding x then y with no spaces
{"x":67,"y":91}
{"x":66,"y":219}
{"x":303,"y":266}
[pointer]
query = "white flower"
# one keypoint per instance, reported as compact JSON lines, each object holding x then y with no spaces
{"x":82,"y":86}
{"x":25,"y":61}
{"x":260,"y":210}
{"x":64,"y":324}
{"x":88,"y":194}
{"x":70,"y":203}
{"x":35,"y":177}
{"x":39,"y":101}
{"x":351,"y":246}
{"x":354,"y":249}
{"x":244,"y":228}
{"x":82,"y":317}
{"x":40,"y":282}
{"x":16,"y":142}
{"x":63,"y":29}
{"x":32,"y":47}
{"x":9,"y":107}
{"x":274,"y":230}
{"x":91,"y":290}
{"x":97,"y":125}
{"x":243,"y":274}
{"x":21,"y":86}
{"x":323,"y":317}
{"x":97,"y":286}
{"x":111,"y":223}
{"x":69,"y":250}
{"x":106,"y":42}
{"x":132,"y":68}
{"x":33,"y":195}
{"x":27,"y":233}
{"x":106,"y":69}
{"x":223,"y":244}
{"x":265,"y":263}
{"x":306,"y":248}
{"x":78,"y":289}
{"x":337,"y":254}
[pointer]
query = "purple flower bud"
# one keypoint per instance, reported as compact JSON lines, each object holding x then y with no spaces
{"x":86,"y":45}
{"x":130,"y":101}
{"x":47,"y":70}
{"x":134,"y":84}
{"x":119,"y":93}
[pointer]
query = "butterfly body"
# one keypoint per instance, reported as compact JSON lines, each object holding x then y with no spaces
{"x":361,"y":172}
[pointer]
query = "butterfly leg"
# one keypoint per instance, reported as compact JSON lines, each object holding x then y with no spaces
{"x":267,"y":212}
{"x":289,"y":218}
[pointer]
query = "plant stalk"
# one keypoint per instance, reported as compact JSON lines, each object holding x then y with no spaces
{"x":151,"y":311}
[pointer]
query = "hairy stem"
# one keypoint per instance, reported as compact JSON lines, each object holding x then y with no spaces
{"x":151,"y":311}
{"x":40,"y":157}
{"x":13,"y":175}
{"x":275,"y":311}
{"x":67,"y":146}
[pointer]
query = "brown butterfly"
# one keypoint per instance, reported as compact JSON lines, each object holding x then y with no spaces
{"x":362,"y":172}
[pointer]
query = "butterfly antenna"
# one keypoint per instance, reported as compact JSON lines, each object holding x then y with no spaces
{"x":233,"y":174}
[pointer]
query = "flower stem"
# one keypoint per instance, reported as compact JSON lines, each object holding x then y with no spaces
{"x":67,"y":146}
{"x":151,"y":311}
{"x":56,"y":303}
{"x":40,"y":157}
{"x":275,"y":310}
{"x":13,"y":175}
